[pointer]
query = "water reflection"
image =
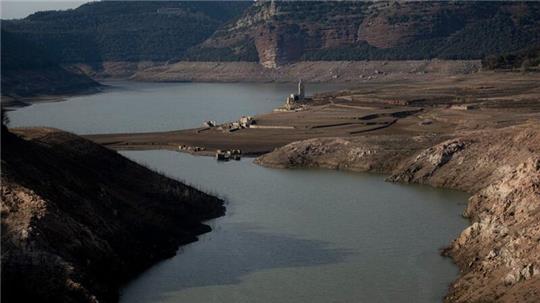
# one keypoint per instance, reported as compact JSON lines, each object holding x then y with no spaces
{"x":305,"y":236}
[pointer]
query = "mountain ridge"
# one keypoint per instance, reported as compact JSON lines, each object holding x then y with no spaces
{"x":275,"y":33}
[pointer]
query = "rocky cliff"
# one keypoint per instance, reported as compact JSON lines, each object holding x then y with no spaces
{"x":499,"y":254}
{"x":290,"y":31}
{"x":78,"y":220}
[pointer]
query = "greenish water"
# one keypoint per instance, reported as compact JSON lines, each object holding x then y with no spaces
{"x":288,"y":235}
{"x":305,"y":236}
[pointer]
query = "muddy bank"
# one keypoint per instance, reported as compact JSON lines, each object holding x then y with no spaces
{"x":78,"y":220}
{"x":499,"y":254}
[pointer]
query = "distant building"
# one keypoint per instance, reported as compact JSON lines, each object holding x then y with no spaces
{"x":290,"y":102}
{"x":301,"y":92}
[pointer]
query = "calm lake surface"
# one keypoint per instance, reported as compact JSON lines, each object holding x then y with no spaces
{"x":288,"y":235}
{"x":148,"y":107}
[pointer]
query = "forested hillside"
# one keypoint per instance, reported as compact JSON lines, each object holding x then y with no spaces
{"x":281,"y":32}
{"x":524,"y":60}
{"x":125,"y":30}
{"x":29,"y":71}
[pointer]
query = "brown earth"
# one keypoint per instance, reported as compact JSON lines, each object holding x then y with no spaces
{"x":478,"y":133}
{"x":79,"y":220}
{"x":408,"y":108}
{"x":315,"y":71}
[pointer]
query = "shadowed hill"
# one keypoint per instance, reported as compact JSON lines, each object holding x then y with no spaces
{"x":79,"y":219}
{"x":29,"y":71}
{"x":125,"y":30}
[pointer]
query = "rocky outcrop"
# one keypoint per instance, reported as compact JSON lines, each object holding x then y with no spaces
{"x":371,"y":153}
{"x":499,"y":254}
{"x":78,"y":220}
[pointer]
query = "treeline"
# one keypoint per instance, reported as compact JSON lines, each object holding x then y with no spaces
{"x":28,"y":70}
{"x":125,"y":30}
{"x":483,"y":38}
{"x":524,"y":60}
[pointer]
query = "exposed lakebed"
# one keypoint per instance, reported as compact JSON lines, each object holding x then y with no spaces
{"x":288,"y":235}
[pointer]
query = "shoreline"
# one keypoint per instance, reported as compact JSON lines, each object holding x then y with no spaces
{"x":118,"y":228}
{"x":13,"y":103}
{"x":309,"y":71}
{"x":482,"y":149}
{"x":431,"y":137}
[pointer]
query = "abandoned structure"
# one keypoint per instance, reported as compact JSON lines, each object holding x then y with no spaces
{"x":210,"y":123}
{"x":246,"y":121}
{"x":191,"y":148}
{"x":290,"y":102}
{"x":464,"y":106}
{"x":226,"y":155}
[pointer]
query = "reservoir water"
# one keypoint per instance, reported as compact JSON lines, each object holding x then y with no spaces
{"x":146,"y":107}
{"x":298,"y":235}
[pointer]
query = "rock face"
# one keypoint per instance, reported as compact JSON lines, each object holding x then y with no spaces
{"x":78,"y":220}
{"x":499,"y":254}
{"x":289,"y":31}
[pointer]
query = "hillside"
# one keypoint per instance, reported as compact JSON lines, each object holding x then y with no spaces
{"x":125,"y":30}
{"x":78,"y":220}
{"x":526,"y":59}
{"x":289,"y":31}
{"x":29,"y":71}
{"x":281,"y":32}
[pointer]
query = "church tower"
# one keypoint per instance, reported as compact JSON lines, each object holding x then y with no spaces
{"x":301,"y":92}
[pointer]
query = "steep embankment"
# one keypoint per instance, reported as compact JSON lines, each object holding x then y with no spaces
{"x":79,"y":219}
{"x":499,"y":254}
